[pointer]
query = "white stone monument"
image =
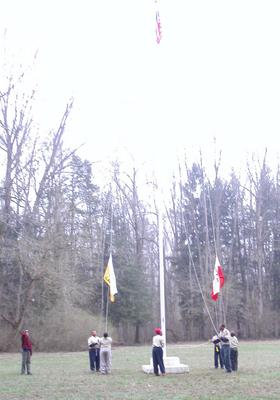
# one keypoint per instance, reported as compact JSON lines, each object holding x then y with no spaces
{"x":172,"y":366}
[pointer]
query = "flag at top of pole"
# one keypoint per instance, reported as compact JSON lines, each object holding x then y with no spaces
{"x":158,"y":24}
{"x":110,"y":279}
{"x":218,"y":281}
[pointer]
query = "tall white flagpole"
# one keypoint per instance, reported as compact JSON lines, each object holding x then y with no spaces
{"x":161,"y":273}
{"x":160,"y":216}
{"x":172,"y":364}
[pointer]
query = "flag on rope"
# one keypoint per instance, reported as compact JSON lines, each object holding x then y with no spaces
{"x":158,"y":25}
{"x":110,"y":279}
{"x":218,"y":281}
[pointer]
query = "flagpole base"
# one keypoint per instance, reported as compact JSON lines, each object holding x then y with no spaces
{"x":172,"y":366}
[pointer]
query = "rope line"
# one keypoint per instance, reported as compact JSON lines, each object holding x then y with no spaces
{"x":110,"y":252}
{"x":212,"y":219}
{"x":201,"y":292}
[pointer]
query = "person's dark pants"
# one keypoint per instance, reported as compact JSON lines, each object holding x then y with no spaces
{"x":234,"y":359}
{"x":94,"y":359}
{"x":26,"y":361}
{"x":218,"y":357}
{"x":226,"y":356}
{"x":158,"y":360}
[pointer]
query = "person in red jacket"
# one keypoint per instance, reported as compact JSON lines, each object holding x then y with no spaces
{"x":26,"y":346}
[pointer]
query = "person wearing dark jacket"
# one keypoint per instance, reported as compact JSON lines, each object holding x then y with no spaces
{"x":26,"y":346}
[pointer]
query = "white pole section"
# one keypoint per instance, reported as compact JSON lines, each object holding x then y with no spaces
{"x":161,"y":277}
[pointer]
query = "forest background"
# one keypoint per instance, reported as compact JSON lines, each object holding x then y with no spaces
{"x":58,"y":224}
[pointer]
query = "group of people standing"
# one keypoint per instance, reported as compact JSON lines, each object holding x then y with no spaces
{"x":100,"y":356}
{"x":225,"y":349}
{"x":99,"y":352}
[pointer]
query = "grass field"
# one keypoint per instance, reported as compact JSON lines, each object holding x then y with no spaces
{"x":66,"y":376}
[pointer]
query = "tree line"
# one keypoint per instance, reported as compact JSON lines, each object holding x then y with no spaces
{"x":58,"y":225}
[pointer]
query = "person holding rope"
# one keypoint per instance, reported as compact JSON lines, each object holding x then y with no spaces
{"x":224,"y":336}
{"x":157,"y":352}
{"x":105,"y":354}
{"x":217,"y":352}
{"x":94,"y":352}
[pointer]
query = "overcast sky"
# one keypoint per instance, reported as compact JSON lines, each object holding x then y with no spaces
{"x":216,"y":73}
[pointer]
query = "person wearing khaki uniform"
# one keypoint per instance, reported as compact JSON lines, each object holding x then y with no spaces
{"x":233,"y":351}
{"x":105,"y":354}
{"x":157,"y":352}
{"x":224,"y":336}
{"x":94,"y":352}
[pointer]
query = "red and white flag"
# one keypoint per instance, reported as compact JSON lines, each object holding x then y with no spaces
{"x":218,"y":281}
{"x":158,"y":24}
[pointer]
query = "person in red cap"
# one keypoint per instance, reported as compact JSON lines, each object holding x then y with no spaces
{"x":157,"y":353}
{"x":26,"y":346}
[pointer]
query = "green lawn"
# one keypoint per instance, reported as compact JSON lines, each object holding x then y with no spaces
{"x":66,"y":376}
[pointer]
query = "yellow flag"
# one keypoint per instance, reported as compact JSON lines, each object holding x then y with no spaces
{"x":110,"y":279}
